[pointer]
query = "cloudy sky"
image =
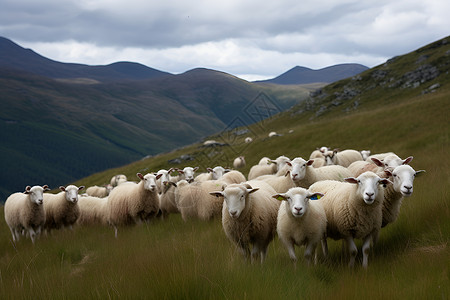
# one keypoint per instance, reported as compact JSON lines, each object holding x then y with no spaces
{"x":251,"y":39}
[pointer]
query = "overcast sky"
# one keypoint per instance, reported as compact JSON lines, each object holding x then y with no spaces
{"x":251,"y":39}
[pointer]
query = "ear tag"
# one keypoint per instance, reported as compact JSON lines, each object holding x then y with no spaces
{"x":315,"y":197}
{"x":279,"y":198}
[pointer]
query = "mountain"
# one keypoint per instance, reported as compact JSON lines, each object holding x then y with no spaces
{"x":60,"y":122}
{"x":302,"y":75}
{"x":18,"y":58}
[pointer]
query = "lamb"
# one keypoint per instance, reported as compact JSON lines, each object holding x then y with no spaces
{"x":303,"y":174}
{"x":213,"y":174}
{"x":239,"y":162}
{"x":403,"y":179}
{"x":343,"y":158}
{"x":249,"y":218}
{"x":194,"y":201}
{"x":118,"y":179}
{"x":61,"y":210}
{"x":99,"y":191}
{"x":24,"y":211}
{"x":301,"y":222}
{"x":354,"y":210}
{"x":92,"y":211}
{"x":132,"y":203}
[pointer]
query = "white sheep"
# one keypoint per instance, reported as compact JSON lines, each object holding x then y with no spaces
{"x":167,"y":199}
{"x":162,"y":181}
{"x":280,"y":184}
{"x":248,"y":140}
{"x":266,"y":166}
{"x":403,"y":180}
{"x":118,"y":179}
{"x":377,"y":166}
{"x":343,"y":158}
{"x":249,"y":218}
{"x":132,"y":203}
{"x":99,"y":191}
{"x":272,"y":134}
{"x":233,"y":176}
{"x":24,"y":211}
{"x":239,"y":162}
{"x":212,"y":174}
{"x":61,"y":210}
{"x":354,"y":210}
{"x":187,"y":173}
{"x":379,"y":156}
{"x":301,"y":222}
{"x":303,"y":174}
{"x":365,"y":154}
{"x":194,"y":201}
{"x":92,"y":210}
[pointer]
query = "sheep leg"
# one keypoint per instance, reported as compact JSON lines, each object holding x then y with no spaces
{"x":365,"y":250}
{"x":255,"y":252}
{"x":324,"y":246}
{"x":310,"y":249}
{"x":13,"y":234}
{"x":263,"y":254}
{"x":353,"y":251}
{"x":115,"y":231}
{"x":17,"y":234}
{"x":32,"y":234}
{"x":291,"y":250}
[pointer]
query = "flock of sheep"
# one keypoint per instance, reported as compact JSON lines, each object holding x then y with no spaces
{"x":343,"y":195}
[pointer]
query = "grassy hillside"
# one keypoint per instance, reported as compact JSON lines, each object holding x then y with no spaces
{"x":173,"y":259}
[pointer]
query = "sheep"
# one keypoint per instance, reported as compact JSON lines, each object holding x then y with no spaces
{"x":301,"y":222}
{"x":377,"y":166}
{"x":194,"y":201}
{"x":379,"y":156}
{"x":118,"y":179}
{"x":283,"y":166}
{"x":24,"y":211}
{"x":233,"y":176}
{"x":99,"y":191}
{"x":365,"y":154}
{"x":279,"y":167}
{"x":61,"y":210}
{"x":163,"y":180}
{"x":403,"y":179}
{"x":213,"y":174}
{"x":187,"y":173}
{"x":132,"y":203}
{"x":303,"y":174}
{"x":249,"y":218}
{"x":167,"y":200}
{"x":280,"y":184}
{"x":264,"y":167}
{"x":239,"y":162}
{"x":248,"y":140}
{"x":272,"y":134}
{"x":92,"y":210}
{"x":354,"y":210}
{"x":343,"y":158}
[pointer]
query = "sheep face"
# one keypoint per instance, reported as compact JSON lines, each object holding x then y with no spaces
{"x":217,"y":172}
{"x":71,"y":192}
{"x":149,"y":181}
{"x":188,"y":173}
{"x":298,"y":200}
{"x":329,"y":158}
{"x":235,"y":197}
{"x":393,"y":161}
{"x":164,"y":178}
{"x":281,"y":161}
{"x":368,"y":183}
{"x":403,"y":179}
{"x":299,"y":166}
{"x":36,"y":193}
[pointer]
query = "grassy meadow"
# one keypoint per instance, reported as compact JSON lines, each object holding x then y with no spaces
{"x":171,"y":259}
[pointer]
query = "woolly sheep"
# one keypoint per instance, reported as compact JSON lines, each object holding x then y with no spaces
{"x":187,"y":174}
{"x":24,"y":211}
{"x":239,"y":162}
{"x":212,"y":174}
{"x":279,"y":167}
{"x":379,"y":156}
{"x":264,"y":167}
{"x":233,"y":176}
{"x":280,"y":184}
{"x":318,"y":156}
{"x":162,"y":181}
{"x":118,"y":179}
{"x":167,"y":199}
{"x":99,"y":191}
{"x":343,"y":158}
{"x":403,"y":180}
{"x":249,"y":218}
{"x":301,"y":222}
{"x":61,"y":210}
{"x":354,"y":210}
{"x":194,"y":201}
{"x":248,"y":140}
{"x":132,"y":203}
{"x":92,"y":210}
{"x":377,"y":166}
{"x":303,"y":174}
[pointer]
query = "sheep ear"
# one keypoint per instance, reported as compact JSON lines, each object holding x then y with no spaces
{"x":141,"y":177}
{"x":172,"y":183}
{"x":252,"y":190}
{"x":209,"y":170}
{"x":388,"y":173}
{"x":419,"y":172}
{"x":385,"y":181}
{"x":310,"y":162}
{"x":62,"y":188}
{"x":407,"y":160}
{"x":27,"y":189}
{"x":217,"y":194}
{"x":280,"y":197}
{"x":81,"y":187}
{"x":351,"y":180}
{"x":227,"y":170}
{"x":158,"y":176}
{"x":377,"y":162}
{"x":315,"y":196}
{"x":195,"y":169}
{"x":46,"y":188}
{"x":289,"y":163}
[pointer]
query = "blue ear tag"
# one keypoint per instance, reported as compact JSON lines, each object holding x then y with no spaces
{"x":315,"y":197}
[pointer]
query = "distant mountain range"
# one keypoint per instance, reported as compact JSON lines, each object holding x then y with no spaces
{"x":63,"y":121}
{"x":302,"y":75}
